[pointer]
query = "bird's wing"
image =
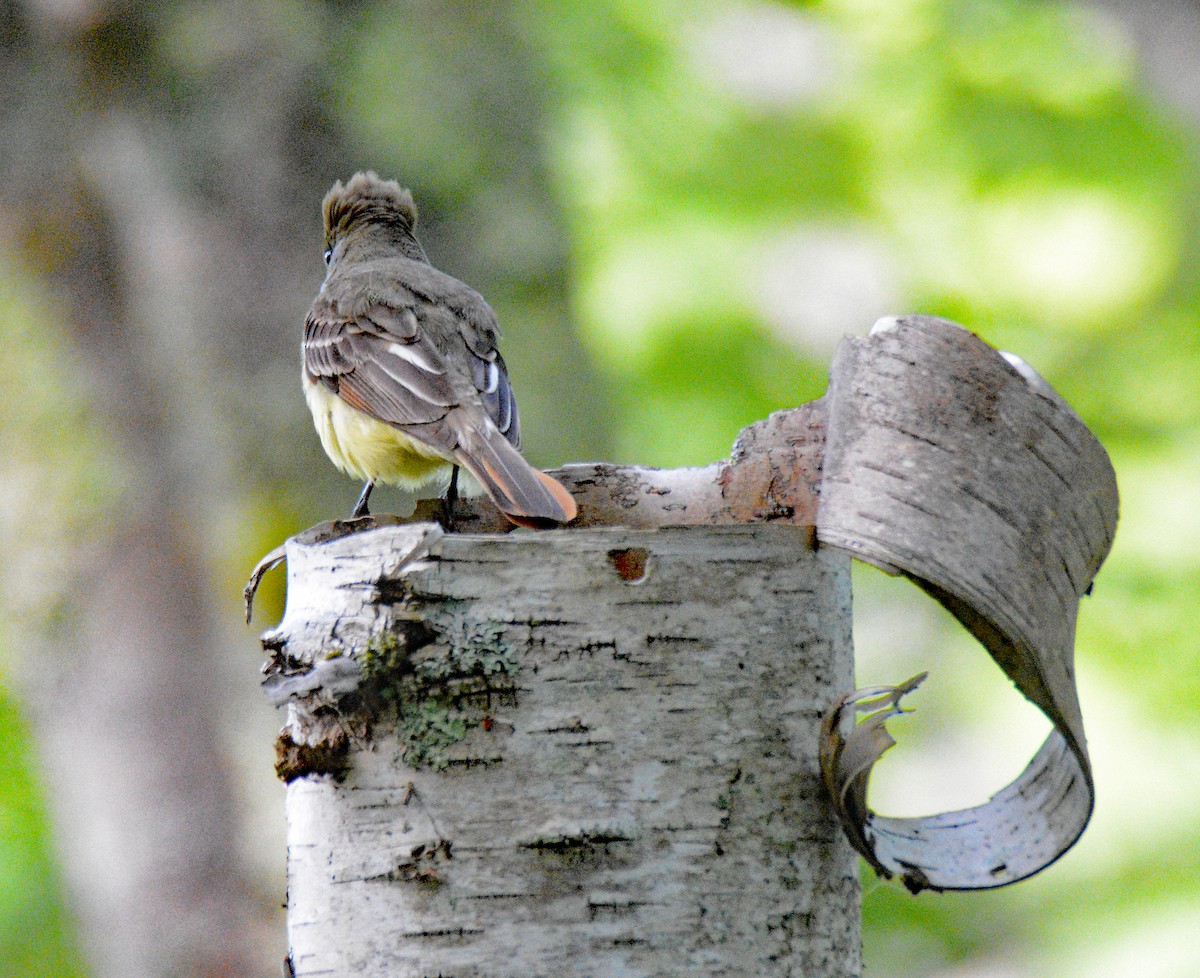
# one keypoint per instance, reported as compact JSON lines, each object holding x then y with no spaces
{"x":380,"y":361}
{"x":438,"y":294}
{"x":490,"y":377}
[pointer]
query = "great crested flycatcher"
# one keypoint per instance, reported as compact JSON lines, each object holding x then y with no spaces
{"x":401,"y":369}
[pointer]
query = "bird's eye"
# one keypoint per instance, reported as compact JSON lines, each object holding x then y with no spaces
{"x":328,"y":255}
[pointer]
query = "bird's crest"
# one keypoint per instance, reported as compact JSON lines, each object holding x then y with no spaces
{"x":366,"y":197}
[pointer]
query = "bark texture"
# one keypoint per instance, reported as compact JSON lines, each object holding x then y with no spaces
{"x":601,"y":757}
{"x":961,"y":468}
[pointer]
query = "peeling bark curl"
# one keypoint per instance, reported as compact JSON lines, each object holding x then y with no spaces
{"x":949,"y":464}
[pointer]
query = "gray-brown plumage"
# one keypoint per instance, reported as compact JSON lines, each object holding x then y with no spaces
{"x":401,"y":368}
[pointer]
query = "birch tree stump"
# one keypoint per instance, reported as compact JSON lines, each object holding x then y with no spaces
{"x":595,"y":751}
{"x":587,"y":752}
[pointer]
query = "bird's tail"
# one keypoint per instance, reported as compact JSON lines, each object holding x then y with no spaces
{"x":526,"y":495}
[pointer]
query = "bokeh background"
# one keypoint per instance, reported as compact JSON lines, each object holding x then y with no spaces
{"x":676,"y":207}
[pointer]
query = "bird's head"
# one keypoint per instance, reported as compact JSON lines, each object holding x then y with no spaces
{"x":369,"y":211}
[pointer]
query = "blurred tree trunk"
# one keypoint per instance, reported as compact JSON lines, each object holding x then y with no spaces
{"x":163,"y":166}
{"x":100,"y":198}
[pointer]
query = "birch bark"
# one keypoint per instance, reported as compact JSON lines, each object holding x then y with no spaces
{"x":602,"y":759}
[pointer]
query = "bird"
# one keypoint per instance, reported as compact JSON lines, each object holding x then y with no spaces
{"x":401,"y":368}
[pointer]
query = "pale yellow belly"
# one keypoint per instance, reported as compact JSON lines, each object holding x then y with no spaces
{"x":368,"y":449}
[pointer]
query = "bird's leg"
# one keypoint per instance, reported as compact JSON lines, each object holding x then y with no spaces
{"x":451,"y":498}
{"x":360,"y":507}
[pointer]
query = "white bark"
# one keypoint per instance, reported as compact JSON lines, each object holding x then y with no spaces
{"x":590,"y":775}
{"x":961,"y":468}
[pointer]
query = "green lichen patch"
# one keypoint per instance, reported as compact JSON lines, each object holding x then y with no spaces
{"x":437,"y":692}
{"x":429,"y":729}
{"x":388,"y":656}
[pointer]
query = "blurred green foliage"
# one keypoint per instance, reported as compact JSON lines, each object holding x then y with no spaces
{"x":58,"y":486}
{"x":998,"y":162}
{"x":35,"y":931}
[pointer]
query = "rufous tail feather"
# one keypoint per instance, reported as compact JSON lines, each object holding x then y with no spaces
{"x":526,"y":495}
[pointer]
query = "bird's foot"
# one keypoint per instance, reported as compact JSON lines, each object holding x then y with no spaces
{"x":362,"y":507}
